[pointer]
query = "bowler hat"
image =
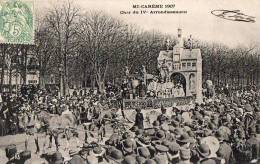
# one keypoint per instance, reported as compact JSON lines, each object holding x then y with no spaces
{"x":161,"y":148}
{"x":143,"y":140}
{"x":128,"y":145}
{"x":25,"y":155}
{"x":140,"y":160}
{"x":115,"y":155}
{"x":184,"y":138}
{"x":174,"y":148}
{"x":159,"y":134}
{"x":150,"y":161}
{"x":144,"y":152}
{"x":97,"y":151}
{"x":10,"y":150}
{"x":203,"y":150}
{"x":57,"y":158}
{"x":129,"y":160}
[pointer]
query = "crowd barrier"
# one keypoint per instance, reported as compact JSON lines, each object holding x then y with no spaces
{"x":154,"y":103}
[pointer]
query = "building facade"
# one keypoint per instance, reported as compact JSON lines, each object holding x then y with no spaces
{"x":184,"y":66}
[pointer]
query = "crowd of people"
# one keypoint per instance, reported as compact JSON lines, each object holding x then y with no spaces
{"x":225,"y":129}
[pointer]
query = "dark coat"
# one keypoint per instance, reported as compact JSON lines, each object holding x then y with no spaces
{"x":162,"y":118}
{"x":77,"y":159}
{"x":225,"y":152}
{"x":254,"y":144}
{"x":139,"y":120}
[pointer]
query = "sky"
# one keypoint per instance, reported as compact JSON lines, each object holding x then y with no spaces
{"x":198,"y":22}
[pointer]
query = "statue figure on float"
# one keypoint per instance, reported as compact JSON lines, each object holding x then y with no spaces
{"x":164,"y":70}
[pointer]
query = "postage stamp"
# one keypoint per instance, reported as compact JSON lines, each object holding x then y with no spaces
{"x":16,"y":22}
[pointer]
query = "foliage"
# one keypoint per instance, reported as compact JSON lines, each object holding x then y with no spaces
{"x":94,"y":47}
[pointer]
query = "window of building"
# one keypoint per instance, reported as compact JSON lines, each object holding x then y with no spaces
{"x":32,"y":81}
{"x":183,"y":65}
{"x":193,"y":64}
{"x":177,"y":66}
{"x":188,"y":64}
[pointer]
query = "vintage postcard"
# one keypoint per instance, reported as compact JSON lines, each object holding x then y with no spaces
{"x":130,"y":81}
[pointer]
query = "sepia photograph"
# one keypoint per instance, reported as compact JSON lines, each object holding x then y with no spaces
{"x":129,"y":82}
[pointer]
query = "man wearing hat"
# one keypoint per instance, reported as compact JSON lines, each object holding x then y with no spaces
{"x":92,"y":160}
{"x":57,"y":158}
{"x":158,"y":137}
{"x":225,"y":150}
{"x":249,"y":118}
{"x":184,"y":140}
{"x":140,"y":160}
{"x":162,"y":118}
{"x":143,"y":141}
{"x":173,"y":153}
{"x":185,"y":155}
{"x":78,"y":158}
{"x":128,"y":147}
{"x":143,"y":152}
{"x":55,"y":134}
{"x":130,"y":159}
{"x":115,"y":156}
{"x":150,"y":161}
{"x":97,"y":152}
{"x":139,"y":119}
{"x":71,"y":154}
{"x":203,"y":152}
{"x":254,"y":143}
{"x":161,"y":155}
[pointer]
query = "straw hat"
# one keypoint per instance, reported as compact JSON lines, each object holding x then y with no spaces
{"x":213,"y":144}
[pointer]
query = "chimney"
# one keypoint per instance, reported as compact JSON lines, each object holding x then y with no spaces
{"x":180,"y":41}
{"x":179,"y":33}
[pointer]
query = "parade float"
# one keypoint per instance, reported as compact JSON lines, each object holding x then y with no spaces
{"x":179,"y":82}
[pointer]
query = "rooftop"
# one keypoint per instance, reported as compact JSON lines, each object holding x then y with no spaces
{"x":186,"y":54}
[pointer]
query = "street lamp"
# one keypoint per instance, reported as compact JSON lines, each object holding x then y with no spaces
{"x":61,"y":80}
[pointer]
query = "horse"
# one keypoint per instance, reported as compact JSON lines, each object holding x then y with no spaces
{"x":53,"y":121}
{"x":56,"y":124}
{"x":23,"y":121}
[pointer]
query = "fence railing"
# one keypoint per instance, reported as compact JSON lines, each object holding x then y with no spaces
{"x":153,"y":103}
